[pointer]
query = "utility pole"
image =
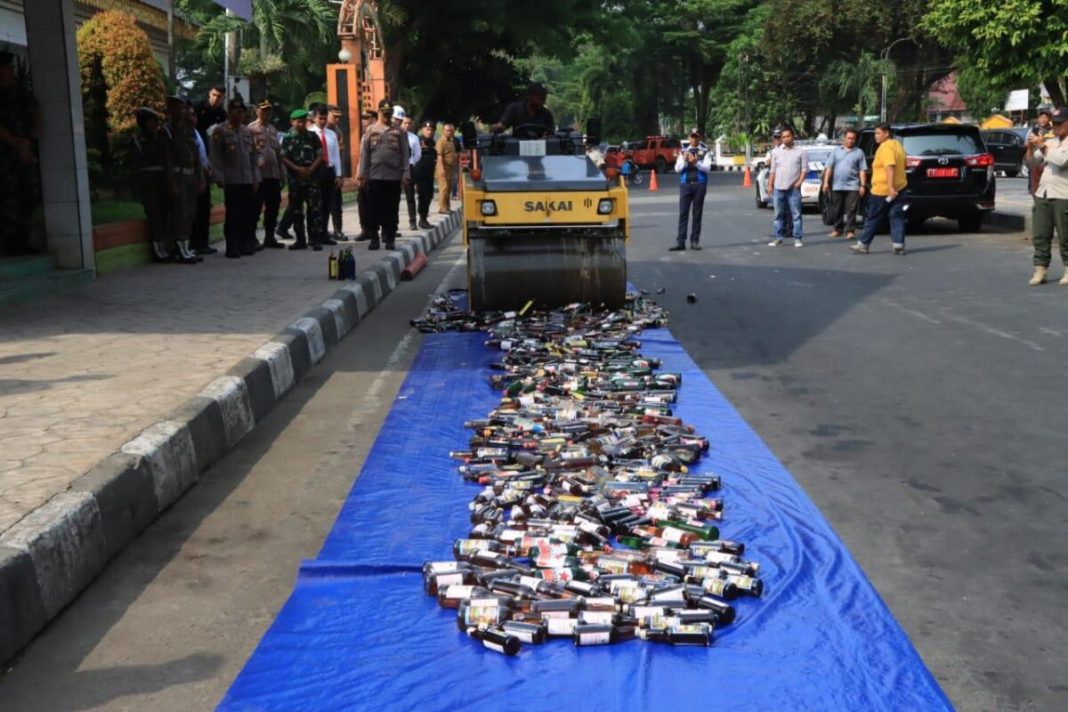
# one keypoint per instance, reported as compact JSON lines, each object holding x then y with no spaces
{"x":884,"y":56}
{"x":171,"y":71}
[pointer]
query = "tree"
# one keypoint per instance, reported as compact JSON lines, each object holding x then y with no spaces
{"x":287,"y":45}
{"x":119,"y":74}
{"x":980,"y":93}
{"x":700,"y":31}
{"x":859,"y":81}
{"x":1013,"y":42}
{"x":116,"y":61}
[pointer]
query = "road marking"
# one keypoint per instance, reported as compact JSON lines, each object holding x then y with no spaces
{"x":913,"y":312}
{"x":375,"y":391}
{"x":991,"y":330}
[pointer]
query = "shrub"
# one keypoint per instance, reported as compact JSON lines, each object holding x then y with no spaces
{"x":119,"y":73}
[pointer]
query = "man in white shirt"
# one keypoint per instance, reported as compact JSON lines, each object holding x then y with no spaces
{"x":329,"y":173}
{"x":415,"y":152}
{"x":1050,"y":212}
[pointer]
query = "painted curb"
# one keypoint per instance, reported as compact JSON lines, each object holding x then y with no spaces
{"x":1010,"y":221}
{"x":55,"y":551}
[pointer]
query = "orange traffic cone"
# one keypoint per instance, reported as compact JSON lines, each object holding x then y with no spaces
{"x":653,"y":185}
{"x":748,"y":181}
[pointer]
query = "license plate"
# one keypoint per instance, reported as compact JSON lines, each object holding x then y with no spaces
{"x":943,"y":172}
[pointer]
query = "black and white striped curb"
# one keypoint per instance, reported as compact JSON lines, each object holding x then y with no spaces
{"x":54,"y":552}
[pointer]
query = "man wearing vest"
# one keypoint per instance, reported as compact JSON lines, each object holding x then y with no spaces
{"x":693,"y":164}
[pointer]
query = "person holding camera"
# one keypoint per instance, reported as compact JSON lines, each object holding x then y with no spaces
{"x":692,"y":165}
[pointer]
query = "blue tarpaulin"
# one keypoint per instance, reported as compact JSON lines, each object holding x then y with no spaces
{"x":358,"y":632}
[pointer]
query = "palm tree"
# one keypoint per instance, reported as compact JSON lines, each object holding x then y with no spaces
{"x":859,"y":81}
{"x":282,"y":34}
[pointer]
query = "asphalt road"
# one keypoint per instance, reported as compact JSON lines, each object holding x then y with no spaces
{"x":918,"y":401}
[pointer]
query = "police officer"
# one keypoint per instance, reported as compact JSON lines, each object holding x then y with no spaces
{"x":209,"y":112}
{"x":528,"y":118}
{"x":384,"y":157}
{"x":269,"y":196}
{"x":236,"y":167}
{"x":302,"y":156}
{"x":423,"y":172}
{"x":368,"y":118}
{"x":692,"y":165}
{"x":188,"y":179}
{"x":150,"y":152}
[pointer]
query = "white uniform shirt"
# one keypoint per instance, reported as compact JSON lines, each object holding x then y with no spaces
{"x":333,"y":150}
{"x":415,"y":151}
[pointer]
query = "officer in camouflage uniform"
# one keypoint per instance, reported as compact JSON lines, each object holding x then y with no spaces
{"x":302,"y":155}
{"x":188,"y":179}
{"x":19,"y":123}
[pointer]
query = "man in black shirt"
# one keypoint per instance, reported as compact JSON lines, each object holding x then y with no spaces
{"x":209,"y":113}
{"x":528,"y":118}
{"x":423,"y":172}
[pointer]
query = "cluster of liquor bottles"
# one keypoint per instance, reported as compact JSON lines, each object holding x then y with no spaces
{"x":341,"y":266}
{"x":591,"y":523}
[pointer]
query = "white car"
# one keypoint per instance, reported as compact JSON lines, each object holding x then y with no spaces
{"x":817,"y":157}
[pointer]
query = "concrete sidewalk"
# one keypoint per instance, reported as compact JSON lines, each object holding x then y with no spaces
{"x":114,"y":397}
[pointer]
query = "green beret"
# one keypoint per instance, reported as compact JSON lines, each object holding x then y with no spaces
{"x":299,"y":114}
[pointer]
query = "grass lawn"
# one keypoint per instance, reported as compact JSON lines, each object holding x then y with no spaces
{"x":109,"y":211}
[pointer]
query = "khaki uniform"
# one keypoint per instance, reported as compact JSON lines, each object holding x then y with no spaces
{"x":188,"y":173}
{"x":448,"y":159}
{"x":151,"y":157}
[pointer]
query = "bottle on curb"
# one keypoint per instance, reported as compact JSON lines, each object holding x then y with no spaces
{"x":332,"y":265}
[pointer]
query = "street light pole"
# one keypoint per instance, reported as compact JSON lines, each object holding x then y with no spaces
{"x":884,"y":56}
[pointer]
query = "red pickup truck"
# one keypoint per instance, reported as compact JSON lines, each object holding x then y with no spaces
{"x":657,"y":152}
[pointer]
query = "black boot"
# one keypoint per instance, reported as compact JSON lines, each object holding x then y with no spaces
{"x":301,"y":243}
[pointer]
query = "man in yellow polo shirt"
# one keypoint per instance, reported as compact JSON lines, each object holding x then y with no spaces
{"x":887,"y":196}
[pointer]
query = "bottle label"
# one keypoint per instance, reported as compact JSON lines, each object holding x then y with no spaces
{"x":673,"y":535}
{"x":525,"y":636}
{"x":668,"y":555}
{"x":449,"y":579}
{"x":595,"y":638}
{"x":458,"y":592}
{"x":561,"y":626}
{"x":597,"y":617}
{"x":715,"y":586}
{"x":493,"y":646}
{"x":530,"y":582}
{"x":443,"y":567}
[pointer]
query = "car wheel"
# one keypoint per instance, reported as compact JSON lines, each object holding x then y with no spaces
{"x":661,"y":165}
{"x":915,"y":222}
{"x":970,"y":222}
{"x":1012,"y":173}
{"x":826,"y":210}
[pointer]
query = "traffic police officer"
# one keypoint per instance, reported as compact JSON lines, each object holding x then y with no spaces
{"x":384,"y":158}
{"x":302,"y":155}
{"x":693,"y":164}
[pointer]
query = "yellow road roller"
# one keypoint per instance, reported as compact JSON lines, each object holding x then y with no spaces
{"x":542,"y":223}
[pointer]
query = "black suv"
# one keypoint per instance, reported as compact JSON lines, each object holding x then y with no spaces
{"x":950,"y":172}
{"x":1008,"y":147}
